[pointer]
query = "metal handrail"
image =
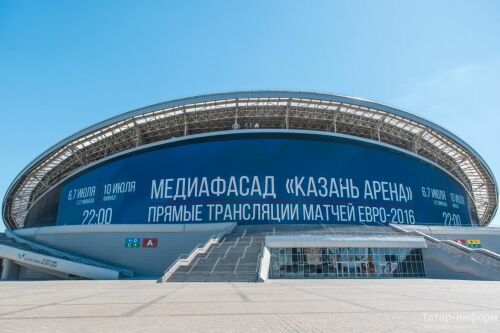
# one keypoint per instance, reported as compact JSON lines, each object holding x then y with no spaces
{"x":418,"y":232}
{"x":453,"y":243}
{"x":487,"y":252}
{"x":459,"y":246}
{"x":185,"y":259}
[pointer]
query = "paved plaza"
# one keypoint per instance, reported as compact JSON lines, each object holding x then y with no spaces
{"x":276,"y":306}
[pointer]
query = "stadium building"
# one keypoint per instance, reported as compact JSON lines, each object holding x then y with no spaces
{"x":250,"y":186}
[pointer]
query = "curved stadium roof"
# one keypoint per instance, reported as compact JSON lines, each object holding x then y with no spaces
{"x":247,"y":110}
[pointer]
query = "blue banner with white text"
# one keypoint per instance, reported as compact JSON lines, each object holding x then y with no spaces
{"x":265,"y":178}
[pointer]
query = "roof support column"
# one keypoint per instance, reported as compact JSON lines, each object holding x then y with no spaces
{"x":287,"y":126}
{"x":77,"y":156}
{"x":138,"y":135}
{"x":10,"y":270}
{"x":185,"y":122}
{"x":236,"y":125}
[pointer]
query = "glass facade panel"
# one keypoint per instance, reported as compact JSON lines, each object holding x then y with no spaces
{"x":347,"y":263}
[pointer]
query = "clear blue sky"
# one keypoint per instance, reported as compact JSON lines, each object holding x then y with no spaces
{"x":65,"y":65}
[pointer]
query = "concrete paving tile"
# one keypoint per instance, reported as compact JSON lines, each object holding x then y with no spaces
{"x":277,"y":306}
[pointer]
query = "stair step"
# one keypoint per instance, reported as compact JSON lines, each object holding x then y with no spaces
{"x":234,"y":259}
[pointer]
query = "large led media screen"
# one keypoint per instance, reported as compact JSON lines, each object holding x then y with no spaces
{"x":264,"y":177}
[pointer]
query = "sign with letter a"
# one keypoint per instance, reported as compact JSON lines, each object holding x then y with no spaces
{"x":150,"y":242}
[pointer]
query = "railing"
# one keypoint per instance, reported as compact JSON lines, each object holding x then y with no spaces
{"x":185,"y":259}
{"x":455,"y":245}
{"x":259,"y":257}
{"x":487,"y":252}
{"x":426,"y":236}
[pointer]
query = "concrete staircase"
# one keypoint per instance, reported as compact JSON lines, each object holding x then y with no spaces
{"x":236,"y":258}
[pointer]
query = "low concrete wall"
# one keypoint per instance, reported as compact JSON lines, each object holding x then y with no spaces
{"x":265,"y":261}
{"x":440,"y":264}
{"x":106,"y":243}
{"x":29,"y":273}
